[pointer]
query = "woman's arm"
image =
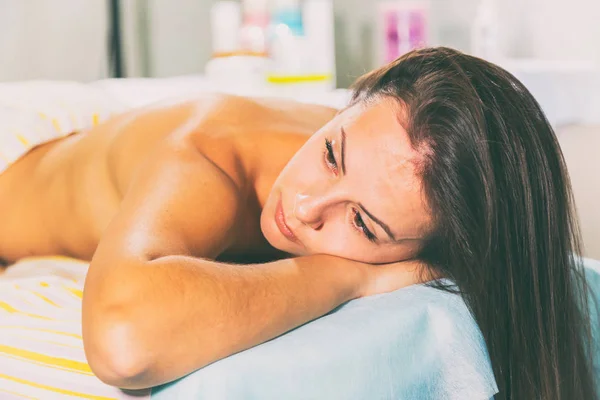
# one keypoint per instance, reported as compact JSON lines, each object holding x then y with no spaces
{"x":183,"y":313}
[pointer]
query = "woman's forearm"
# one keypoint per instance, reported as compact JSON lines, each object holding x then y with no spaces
{"x":181,"y":313}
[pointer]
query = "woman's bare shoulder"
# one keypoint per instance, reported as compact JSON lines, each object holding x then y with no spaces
{"x":178,"y":202}
{"x":263,"y":114}
{"x":222,"y":127}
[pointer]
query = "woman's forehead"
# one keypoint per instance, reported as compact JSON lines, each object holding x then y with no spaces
{"x":381,"y":164}
{"x":374,"y":134}
{"x":379,"y":121}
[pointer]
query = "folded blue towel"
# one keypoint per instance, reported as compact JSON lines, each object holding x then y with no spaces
{"x":592,"y":272}
{"x":415,"y":343}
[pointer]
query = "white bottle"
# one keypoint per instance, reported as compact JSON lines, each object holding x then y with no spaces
{"x":485,"y":31}
{"x":232,"y":69}
{"x":319,"y":30}
{"x":225,"y":20}
{"x":288,"y":45}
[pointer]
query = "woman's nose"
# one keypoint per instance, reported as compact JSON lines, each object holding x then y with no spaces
{"x":308,"y":209}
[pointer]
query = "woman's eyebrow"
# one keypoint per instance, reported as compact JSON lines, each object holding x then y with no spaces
{"x":379,"y":222}
{"x":343,"y":151}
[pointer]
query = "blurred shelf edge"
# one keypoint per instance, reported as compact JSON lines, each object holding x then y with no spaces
{"x":567,"y":90}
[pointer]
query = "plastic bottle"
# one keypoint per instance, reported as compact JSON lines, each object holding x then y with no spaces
{"x":318,"y":22}
{"x":254,"y":29}
{"x":232,"y":67}
{"x":297,"y":40}
{"x":225,"y":21}
{"x":287,"y":44}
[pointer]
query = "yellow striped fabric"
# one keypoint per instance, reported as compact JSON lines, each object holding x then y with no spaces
{"x":41,"y":347}
{"x":33,"y":113}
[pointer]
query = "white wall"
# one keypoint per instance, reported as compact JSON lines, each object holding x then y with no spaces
{"x":179,"y":35}
{"x":570,"y":29}
{"x":63,"y":39}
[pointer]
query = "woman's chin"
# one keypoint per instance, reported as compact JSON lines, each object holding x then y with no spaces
{"x":281,"y":244}
{"x":273,"y":237}
{"x":276,"y":239}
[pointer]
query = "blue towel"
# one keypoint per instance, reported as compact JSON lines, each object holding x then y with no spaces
{"x":415,"y":343}
{"x":592,"y":272}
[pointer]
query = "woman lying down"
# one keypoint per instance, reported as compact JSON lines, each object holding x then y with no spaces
{"x":443,"y":165}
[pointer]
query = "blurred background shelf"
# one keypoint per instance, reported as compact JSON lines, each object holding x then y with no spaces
{"x":551,"y":45}
{"x":566,"y":89}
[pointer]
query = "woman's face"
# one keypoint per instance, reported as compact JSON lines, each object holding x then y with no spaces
{"x":351,"y":191}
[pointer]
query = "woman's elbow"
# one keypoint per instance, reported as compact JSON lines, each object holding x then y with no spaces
{"x":116,"y":354}
{"x":112,"y":337}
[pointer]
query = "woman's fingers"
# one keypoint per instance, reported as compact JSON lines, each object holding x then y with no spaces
{"x":385,"y":278}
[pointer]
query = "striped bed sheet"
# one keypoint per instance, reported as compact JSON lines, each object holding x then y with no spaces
{"x":41,"y":347}
{"x":36,"y":112}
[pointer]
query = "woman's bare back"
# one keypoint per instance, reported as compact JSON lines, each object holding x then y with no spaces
{"x":60,"y":197}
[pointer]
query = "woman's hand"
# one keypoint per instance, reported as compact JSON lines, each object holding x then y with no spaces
{"x":383,"y":278}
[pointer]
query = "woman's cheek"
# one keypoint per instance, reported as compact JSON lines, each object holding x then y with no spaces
{"x":340,"y":244}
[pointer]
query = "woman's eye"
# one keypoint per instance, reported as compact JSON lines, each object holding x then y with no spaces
{"x":360,"y":224}
{"x":329,"y":156}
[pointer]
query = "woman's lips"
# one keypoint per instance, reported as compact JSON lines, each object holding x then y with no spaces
{"x":280,"y":221}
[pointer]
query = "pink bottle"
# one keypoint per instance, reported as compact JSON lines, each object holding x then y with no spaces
{"x":403,"y":27}
{"x":392,"y":43}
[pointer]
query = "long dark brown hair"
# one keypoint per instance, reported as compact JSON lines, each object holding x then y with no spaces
{"x":504,"y":230}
